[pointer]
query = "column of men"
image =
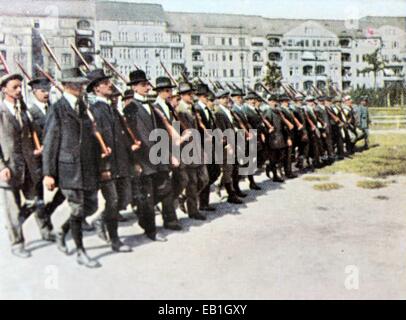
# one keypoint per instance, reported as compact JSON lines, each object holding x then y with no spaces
{"x":308,"y":131}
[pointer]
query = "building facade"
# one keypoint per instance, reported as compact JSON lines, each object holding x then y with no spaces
{"x":217,"y":47}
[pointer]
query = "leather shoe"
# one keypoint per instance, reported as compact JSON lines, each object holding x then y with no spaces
{"x":208,"y":208}
{"x":86,"y":227}
{"x":197,"y":216}
{"x":241,"y":194}
{"x":291,"y":176}
{"x":49,"y":236}
{"x":174,"y":225}
{"x":61,"y":242}
{"x":121,"y":218}
{"x":118,"y":246}
{"x":234,"y":199}
{"x":84,"y":260}
{"x":254,"y":186}
{"x":20,"y":251}
{"x":278,"y":179}
{"x":156,"y":237}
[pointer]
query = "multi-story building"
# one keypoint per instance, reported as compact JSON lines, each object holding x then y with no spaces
{"x":225,"y":47}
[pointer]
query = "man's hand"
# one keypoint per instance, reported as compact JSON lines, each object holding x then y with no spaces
{"x":38,"y":152}
{"x":50,"y":183}
{"x":289,"y":142}
{"x":138,"y":169}
{"x":5,"y":175}
{"x":136,"y":147}
{"x":105,"y":176}
{"x":107,"y":154}
{"x":186,"y":136}
{"x":175,"y":162}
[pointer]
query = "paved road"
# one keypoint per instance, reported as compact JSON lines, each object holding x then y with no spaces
{"x":288,"y":242}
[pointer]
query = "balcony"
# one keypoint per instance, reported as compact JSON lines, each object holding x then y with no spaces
{"x":84,"y":32}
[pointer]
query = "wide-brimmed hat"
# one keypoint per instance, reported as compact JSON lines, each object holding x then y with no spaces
{"x":185,"y":87}
{"x":202,"y":90}
{"x":137,"y":76}
{"x":40,"y":83}
{"x":222,"y":93}
{"x":252,"y":95}
{"x":128,"y":94}
{"x":95,"y":77}
{"x":73,"y":75}
{"x":283,"y":97}
{"x":298,"y":97}
{"x":163,"y":83}
{"x":237,"y":92}
{"x":272,"y":97}
{"x":8,"y":77}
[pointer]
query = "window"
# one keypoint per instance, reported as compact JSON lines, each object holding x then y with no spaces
{"x":231,"y":72}
{"x":105,"y":36}
{"x":195,"y":40}
{"x":196,"y":56}
{"x":257,"y":71}
{"x":211,"y":41}
{"x":230,"y":41}
{"x":256,"y":57}
{"x":145,"y":37}
{"x":66,"y":59}
{"x":225,"y":73}
{"x":123,"y":36}
{"x":231,"y":57}
{"x":241,"y":42}
{"x":83,"y":24}
{"x":197,"y":71}
{"x":223,"y":41}
{"x":290,"y":42}
{"x":137,"y":37}
{"x":175,"y":38}
{"x":106,"y":52}
{"x":224,"y":56}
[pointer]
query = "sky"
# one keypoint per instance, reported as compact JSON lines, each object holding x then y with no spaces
{"x":304,"y":9}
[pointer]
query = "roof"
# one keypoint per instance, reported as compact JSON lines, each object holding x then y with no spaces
{"x":126,"y":11}
{"x":47,"y":8}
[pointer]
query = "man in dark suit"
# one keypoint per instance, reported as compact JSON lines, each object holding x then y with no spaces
{"x":72,"y":160}
{"x":198,"y":177}
{"x":225,"y":122}
{"x":202,"y":108}
{"x":155,"y":182}
{"x":164,"y":89}
{"x":39,"y":109}
{"x":20,"y":169}
{"x":116,"y":189}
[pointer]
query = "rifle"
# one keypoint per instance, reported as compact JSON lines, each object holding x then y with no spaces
{"x":268,"y":125}
{"x":51,"y":53}
{"x":241,"y":124}
{"x":4,"y":63}
{"x":168,"y":73}
{"x":19,"y":65}
{"x":114,"y":70}
{"x":80,"y":56}
{"x":49,"y":77}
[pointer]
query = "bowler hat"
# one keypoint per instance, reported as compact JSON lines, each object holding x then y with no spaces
{"x":73,"y":75}
{"x":40,"y":83}
{"x":8,"y":77}
{"x":137,"y":76}
{"x":95,"y":77}
{"x":163,"y":83}
{"x":185,"y":87}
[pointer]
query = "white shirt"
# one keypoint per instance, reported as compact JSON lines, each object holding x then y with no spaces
{"x":42,"y":106}
{"x":204,"y":107}
{"x":145,"y":104}
{"x":102,"y":99}
{"x":164,"y":106}
{"x":10,"y":107}
{"x":71,"y":99}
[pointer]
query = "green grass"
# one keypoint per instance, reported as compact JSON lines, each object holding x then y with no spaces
{"x":327,"y":186}
{"x":387,"y":159}
{"x":316,"y":178}
{"x":372,"y":184}
{"x":387,"y":111}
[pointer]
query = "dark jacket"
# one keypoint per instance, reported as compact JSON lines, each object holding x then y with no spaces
{"x":71,"y":153}
{"x":142,"y":123}
{"x":278,"y":137}
{"x":111,"y":126}
{"x":17,"y":149}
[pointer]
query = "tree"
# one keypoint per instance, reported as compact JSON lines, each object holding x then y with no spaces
{"x":376,"y":62}
{"x":273,"y":76}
